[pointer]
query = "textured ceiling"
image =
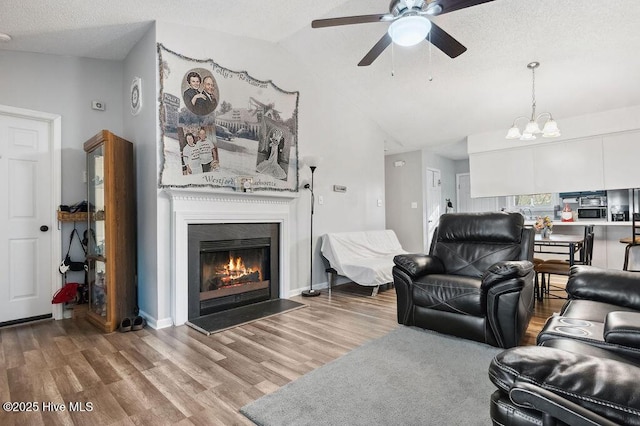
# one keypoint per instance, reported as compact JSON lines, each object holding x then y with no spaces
{"x":588,"y":52}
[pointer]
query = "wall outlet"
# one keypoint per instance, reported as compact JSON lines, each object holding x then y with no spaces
{"x":379,"y":203}
{"x":98,"y":105}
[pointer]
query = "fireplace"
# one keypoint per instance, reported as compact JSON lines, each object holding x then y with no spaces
{"x":231,"y":265}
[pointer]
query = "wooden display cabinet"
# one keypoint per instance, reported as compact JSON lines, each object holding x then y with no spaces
{"x":112,"y":230}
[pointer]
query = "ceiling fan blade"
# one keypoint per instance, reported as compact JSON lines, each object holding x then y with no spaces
{"x":451,"y":5}
{"x":376,"y":50}
{"x":348,"y":20}
{"x":443,"y":41}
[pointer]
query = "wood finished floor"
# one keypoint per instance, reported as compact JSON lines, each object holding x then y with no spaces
{"x":179,"y":376}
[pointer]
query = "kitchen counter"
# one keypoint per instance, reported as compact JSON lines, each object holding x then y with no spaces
{"x":608,"y":252}
{"x":583,"y":223}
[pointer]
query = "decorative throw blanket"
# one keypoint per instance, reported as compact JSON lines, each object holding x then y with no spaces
{"x":365,"y":257}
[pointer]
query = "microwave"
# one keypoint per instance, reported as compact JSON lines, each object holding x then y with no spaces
{"x":592,"y":212}
{"x":593,"y":201}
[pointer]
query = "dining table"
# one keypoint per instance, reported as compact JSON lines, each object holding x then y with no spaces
{"x":559,"y":244}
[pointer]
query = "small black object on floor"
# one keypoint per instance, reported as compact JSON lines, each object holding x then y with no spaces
{"x":220,"y":321}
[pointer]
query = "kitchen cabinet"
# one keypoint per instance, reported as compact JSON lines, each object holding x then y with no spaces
{"x":569,"y":165}
{"x":111,"y":223}
{"x":503,"y":172}
{"x":621,"y":153}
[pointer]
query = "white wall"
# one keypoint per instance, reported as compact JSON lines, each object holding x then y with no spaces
{"x":352,"y":148}
{"x":66,"y":86}
{"x":407,"y":184}
{"x":404,"y":186}
{"x":143,"y":131}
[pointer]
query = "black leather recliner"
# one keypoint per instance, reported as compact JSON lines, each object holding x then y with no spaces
{"x":586,"y":367}
{"x":476,"y":282}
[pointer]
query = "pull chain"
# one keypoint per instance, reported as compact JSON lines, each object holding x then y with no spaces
{"x":429,"y":66}
{"x":393,"y":73}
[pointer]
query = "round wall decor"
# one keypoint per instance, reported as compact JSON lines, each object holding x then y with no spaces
{"x":136,"y":96}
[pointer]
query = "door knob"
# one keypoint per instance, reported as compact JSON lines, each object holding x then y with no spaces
{"x":44,"y":228}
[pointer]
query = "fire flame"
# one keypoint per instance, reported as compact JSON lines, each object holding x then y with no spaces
{"x":237,"y":268}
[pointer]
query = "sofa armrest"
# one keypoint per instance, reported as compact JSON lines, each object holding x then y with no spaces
{"x":507,"y":293}
{"x":603,"y":386}
{"x":417,"y":265}
{"x":505,"y":270}
{"x":621,"y":288}
{"x":530,"y":396}
{"x":622,"y":328}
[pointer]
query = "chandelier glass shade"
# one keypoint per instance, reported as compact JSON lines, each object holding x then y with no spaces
{"x":409,"y":30}
{"x":532,"y":128}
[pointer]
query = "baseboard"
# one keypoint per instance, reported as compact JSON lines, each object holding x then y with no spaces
{"x":154,"y":323}
{"x":317,"y":286}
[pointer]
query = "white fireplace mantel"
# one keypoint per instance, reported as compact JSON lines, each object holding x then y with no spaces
{"x":191,"y":206}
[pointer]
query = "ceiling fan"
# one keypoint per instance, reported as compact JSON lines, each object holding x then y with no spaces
{"x":409,"y":25}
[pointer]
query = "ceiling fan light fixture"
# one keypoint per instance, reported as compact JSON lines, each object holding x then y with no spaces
{"x":409,"y":30}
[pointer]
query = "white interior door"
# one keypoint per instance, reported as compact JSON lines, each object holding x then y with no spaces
{"x":463,"y":194}
{"x":27,"y":226}
{"x":434,"y":203}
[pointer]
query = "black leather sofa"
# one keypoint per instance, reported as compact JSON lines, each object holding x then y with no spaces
{"x":586,"y":369}
{"x":476,"y":282}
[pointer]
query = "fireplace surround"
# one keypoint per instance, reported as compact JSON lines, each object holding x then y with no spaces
{"x":196,"y":207}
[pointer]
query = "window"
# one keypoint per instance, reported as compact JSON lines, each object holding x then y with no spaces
{"x":535,"y":200}
{"x":532,"y":205}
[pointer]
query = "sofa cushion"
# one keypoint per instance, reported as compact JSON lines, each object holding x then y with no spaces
{"x":449,"y":293}
{"x":589,"y":310}
{"x":469,"y":244}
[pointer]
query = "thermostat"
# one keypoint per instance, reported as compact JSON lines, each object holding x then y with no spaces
{"x":339,"y":188}
{"x":100,"y":106}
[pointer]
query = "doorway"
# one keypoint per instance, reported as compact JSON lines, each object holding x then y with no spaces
{"x":434,"y":203}
{"x":30,"y":187}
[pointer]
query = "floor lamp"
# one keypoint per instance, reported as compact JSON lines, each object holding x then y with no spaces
{"x":312,"y":162}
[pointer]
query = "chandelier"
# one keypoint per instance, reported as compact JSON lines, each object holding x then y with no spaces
{"x":550,"y":128}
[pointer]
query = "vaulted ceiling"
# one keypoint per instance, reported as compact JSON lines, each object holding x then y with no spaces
{"x":588,"y":54}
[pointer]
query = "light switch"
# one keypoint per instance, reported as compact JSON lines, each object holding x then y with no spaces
{"x":379,"y":203}
{"x":320,"y":199}
{"x":414,"y":205}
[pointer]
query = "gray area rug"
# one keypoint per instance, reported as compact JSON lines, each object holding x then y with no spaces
{"x":408,"y":377}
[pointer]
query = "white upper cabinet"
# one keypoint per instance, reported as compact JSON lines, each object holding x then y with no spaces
{"x":621,"y":156}
{"x":503,"y":172}
{"x":574,"y":165}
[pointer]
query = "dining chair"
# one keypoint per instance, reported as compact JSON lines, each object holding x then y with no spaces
{"x":562,"y":267}
{"x":634,"y":240}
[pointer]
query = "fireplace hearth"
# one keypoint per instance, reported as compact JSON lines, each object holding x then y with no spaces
{"x":231,"y":265}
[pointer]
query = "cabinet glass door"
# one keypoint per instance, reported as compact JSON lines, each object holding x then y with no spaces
{"x":96,"y":244}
